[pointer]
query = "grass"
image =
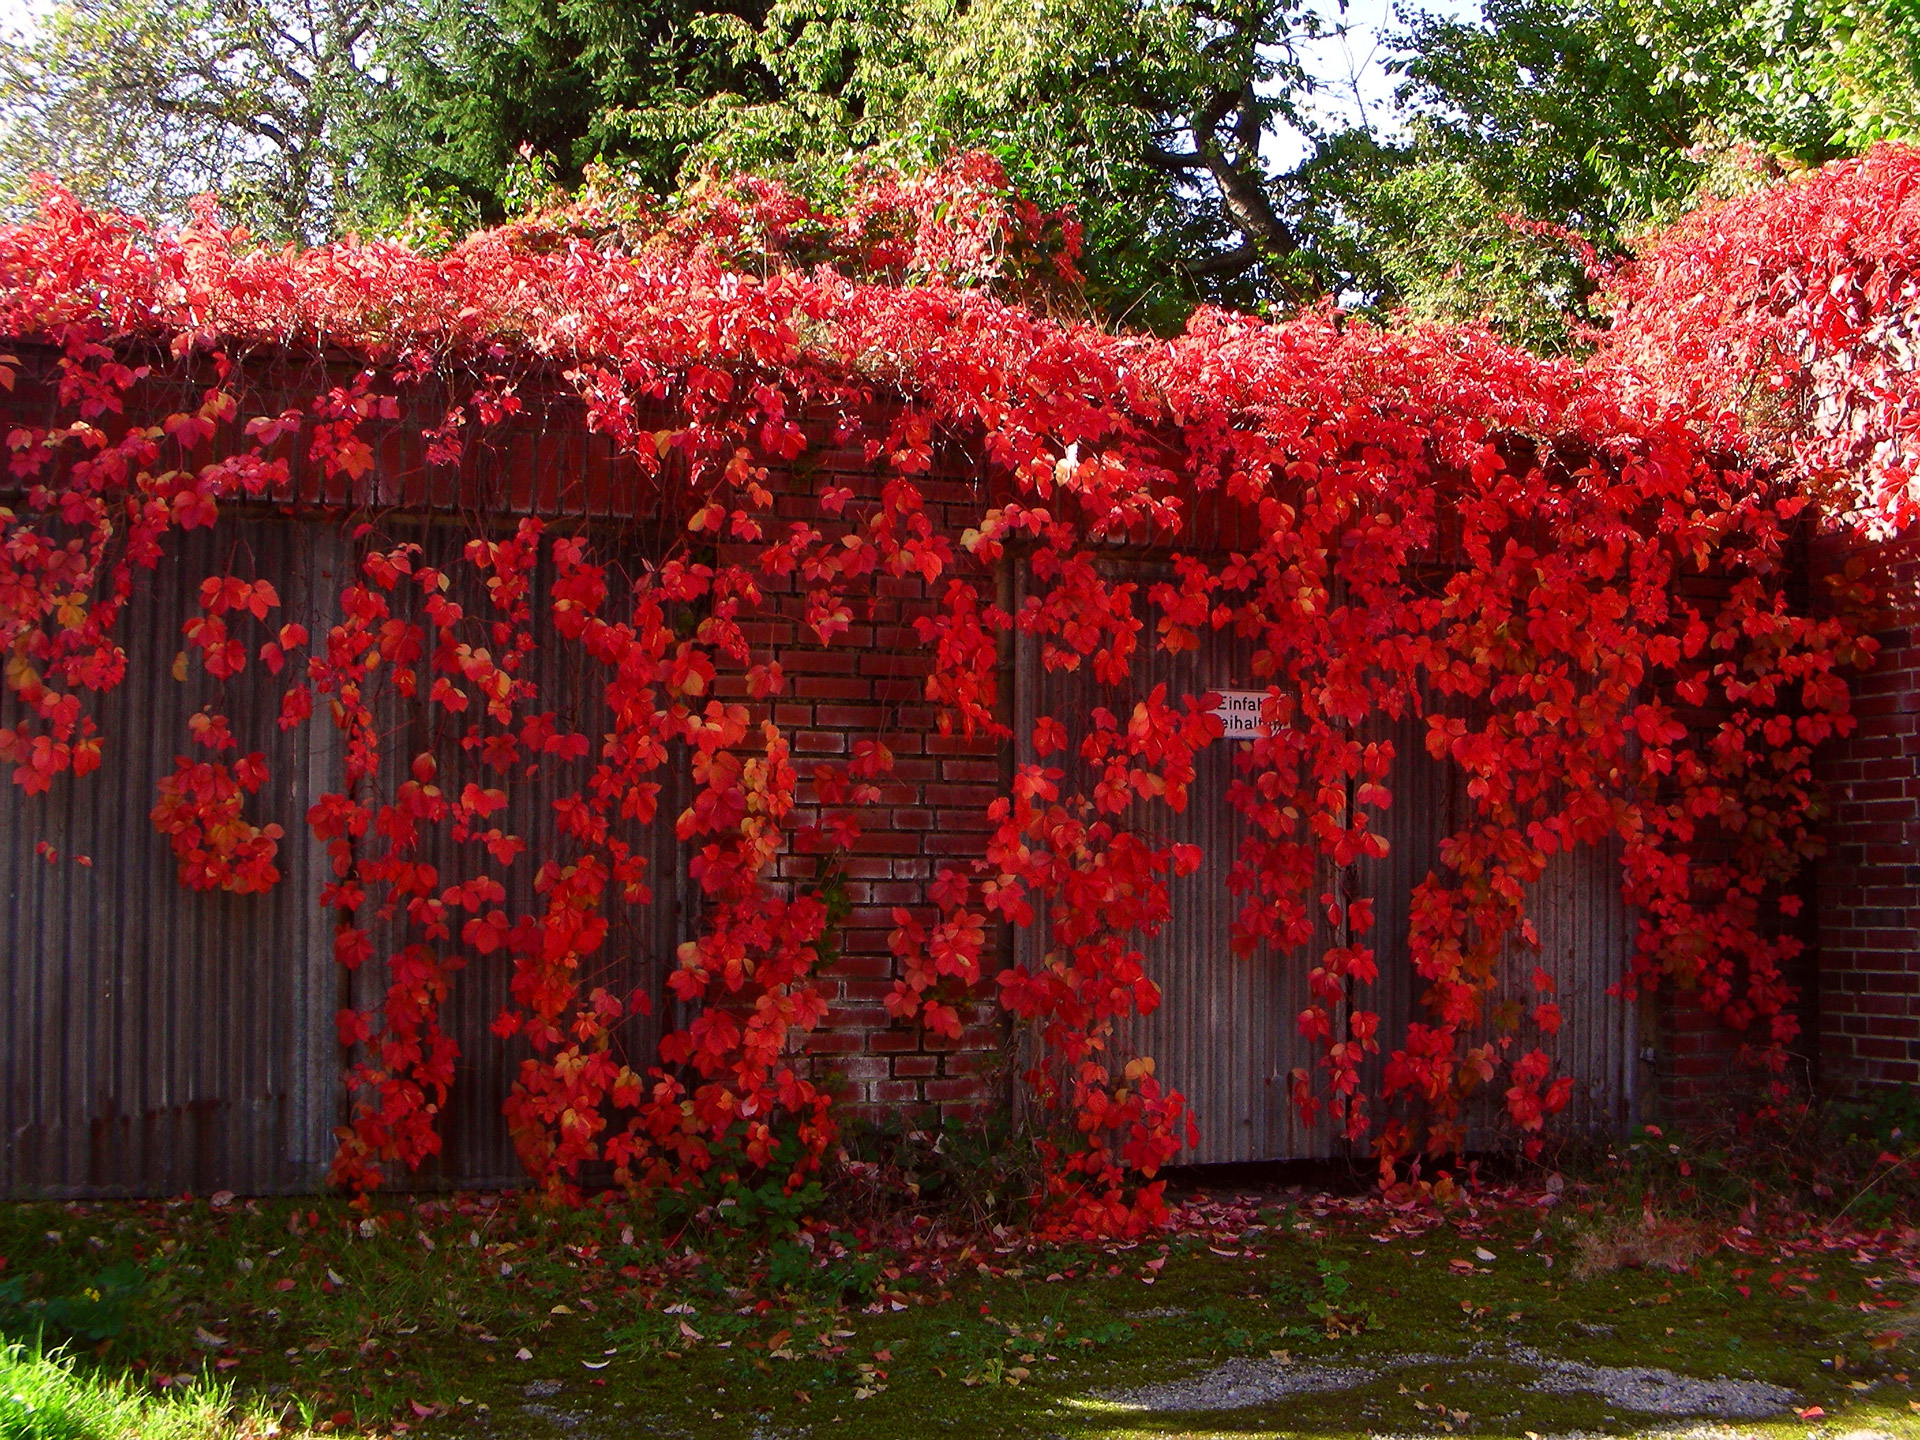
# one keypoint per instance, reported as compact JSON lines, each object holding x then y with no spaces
{"x":46,"y":1397}
{"x":430,"y":1318}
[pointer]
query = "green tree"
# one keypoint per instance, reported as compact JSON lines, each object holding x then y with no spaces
{"x":477,"y":86}
{"x":1158,"y":120}
{"x":1577,"y":111}
{"x":144,"y":104}
{"x":1833,"y":75}
{"x":1150,"y":116}
{"x":1608,"y":117}
{"x":1558,"y":112}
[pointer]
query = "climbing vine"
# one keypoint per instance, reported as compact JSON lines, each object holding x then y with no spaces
{"x":1790,"y":316}
{"x":1591,"y":613}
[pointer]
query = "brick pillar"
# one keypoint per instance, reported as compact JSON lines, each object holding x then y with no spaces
{"x":1867,"y":913}
{"x":871,"y":684}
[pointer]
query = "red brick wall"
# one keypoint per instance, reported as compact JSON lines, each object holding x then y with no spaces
{"x":1693,"y":1054}
{"x":1860,"y":976}
{"x":1858,"y":952}
{"x":1867,"y":914}
{"x":1690,"y":1065}
{"x":870,"y":683}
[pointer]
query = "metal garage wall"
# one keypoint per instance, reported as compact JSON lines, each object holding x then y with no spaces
{"x":155,"y":1040}
{"x":1585,"y":931}
{"x":476,"y":1149}
{"x":1226,"y":1033}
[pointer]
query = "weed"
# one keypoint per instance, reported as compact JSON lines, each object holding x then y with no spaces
{"x":1886,"y":1116}
{"x":828,"y":1268}
{"x":1114,"y":1332}
{"x":1805,"y":1159}
{"x":1646,"y":1242}
{"x":1328,"y":1300}
{"x":973,"y":1176}
{"x":95,"y":1312}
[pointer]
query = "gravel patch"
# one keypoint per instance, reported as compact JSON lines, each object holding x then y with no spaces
{"x":1654,"y":1391}
{"x":559,"y":1419}
{"x":1239,"y":1383}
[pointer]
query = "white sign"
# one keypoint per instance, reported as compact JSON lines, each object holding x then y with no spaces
{"x":1239,"y":711}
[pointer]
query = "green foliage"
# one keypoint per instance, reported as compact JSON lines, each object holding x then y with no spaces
{"x":1147,"y":115}
{"x":92,"y":1311}
{"x":834,"y":1272}
{"x":736,"y":1201}
{"x":96,"y":1311}
{"x":1575,"y":111}
{"x":1432,"y":240}
{"x":977,"y":1173}
{"x":1579,"y":114}
{"x":1848,"y":1159}
{"x":145,"y":104}
{"x":498,"y":100}
{"x":1886,"y":1115}
{"x":1113,"y":1332}
{"x":1830,"y":76}
{"x":1327,"y":1297}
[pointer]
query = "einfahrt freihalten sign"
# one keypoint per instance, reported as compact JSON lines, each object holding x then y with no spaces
{"x":1239,"y":712}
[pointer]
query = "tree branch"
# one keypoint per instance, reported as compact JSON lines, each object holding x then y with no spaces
{"x":1225,"y":264}
{"x":1243,"y":190}
{"x":1175,"y":160}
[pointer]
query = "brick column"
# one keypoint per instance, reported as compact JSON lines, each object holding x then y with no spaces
{"x":870,"y":684}
{"x":1868,"y":883}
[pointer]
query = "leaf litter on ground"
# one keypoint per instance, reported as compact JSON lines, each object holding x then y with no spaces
{"x":409,"y":1321}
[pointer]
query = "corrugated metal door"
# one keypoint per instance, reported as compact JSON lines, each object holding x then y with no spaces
{"x":476,"y":1148}
{"x":1584,"y":927}
{"x":1226,"y":1031}
{"x":155,"y":1040}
